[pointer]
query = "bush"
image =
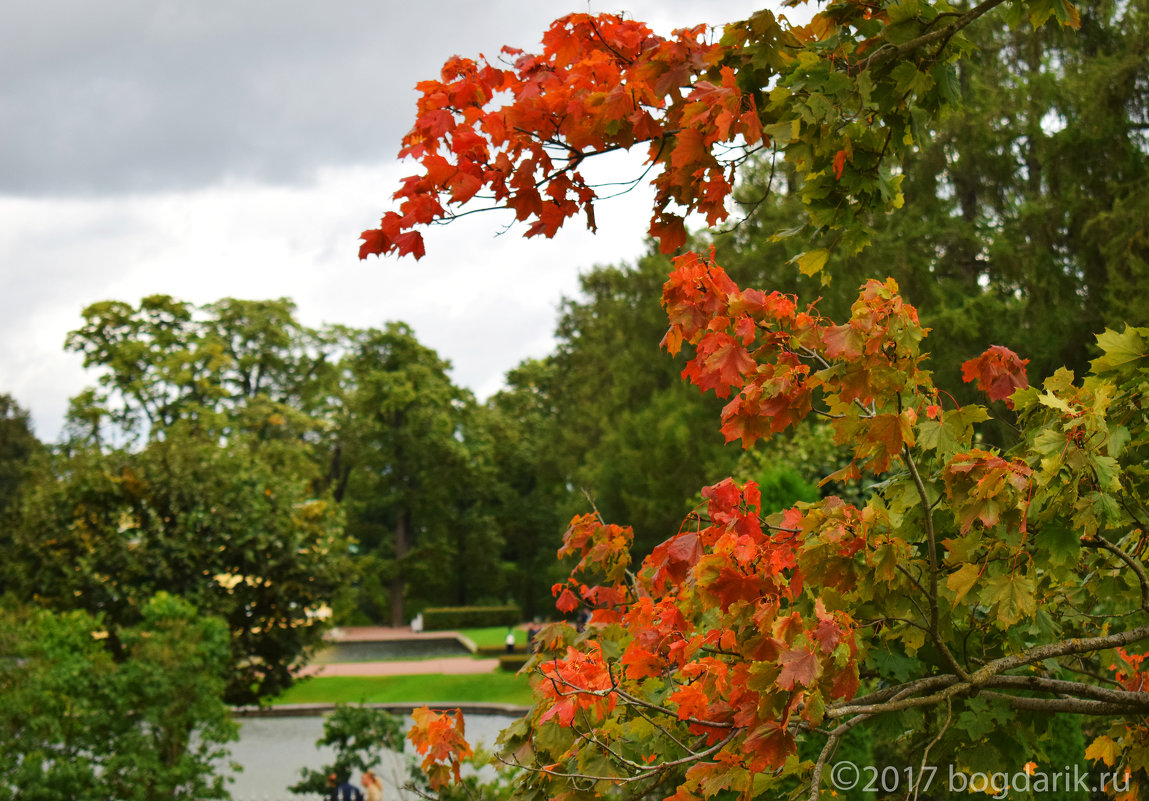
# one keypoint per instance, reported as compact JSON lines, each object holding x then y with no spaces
{"x":441,"y":618}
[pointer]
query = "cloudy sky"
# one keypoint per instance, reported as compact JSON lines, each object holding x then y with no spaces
{"x":208,"y":149}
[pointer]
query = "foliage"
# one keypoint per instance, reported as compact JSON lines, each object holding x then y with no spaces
{"x":440,"y":618}
{"x":531,"y":487}
{"x":1021,"y":199}
{"x":838,"y":96}
{"x":974,"y":592}
{"x":358,"y":735}
{"x":17,"y":447}
{"x":414,"y":475}
{"x":228,"y":531}
{"x":166,"y":361}
{"x":77,"y":724}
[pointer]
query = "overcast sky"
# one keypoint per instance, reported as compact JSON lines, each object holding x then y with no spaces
{"x":208,"y":150}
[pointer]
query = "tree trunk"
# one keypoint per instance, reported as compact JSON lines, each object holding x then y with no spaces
{"x":399,"y":583}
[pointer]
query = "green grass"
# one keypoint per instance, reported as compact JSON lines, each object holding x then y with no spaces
{"x":494,"y":636}
{"x":495,"y":688}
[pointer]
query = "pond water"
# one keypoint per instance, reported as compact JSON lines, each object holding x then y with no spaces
{"x":385,"y":650}
{"x":272,"y":751}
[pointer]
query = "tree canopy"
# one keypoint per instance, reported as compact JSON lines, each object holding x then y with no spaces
{"x":990,"y":578}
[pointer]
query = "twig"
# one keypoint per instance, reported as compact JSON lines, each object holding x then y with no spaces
{"x":933,"y":742}
{"x":1133,"y":564}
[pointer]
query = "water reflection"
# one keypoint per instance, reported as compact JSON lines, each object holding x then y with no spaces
{"x":272,"y":751}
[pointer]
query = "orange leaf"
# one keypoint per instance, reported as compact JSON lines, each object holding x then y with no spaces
{"x":799,"y":666}
{"x":998,"y":372}
{"x":839,"y":164}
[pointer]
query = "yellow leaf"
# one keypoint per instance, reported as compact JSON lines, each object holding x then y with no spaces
{"x":1103,"y":749}
{"x":812,"y":261}
{"x":961,"y":581}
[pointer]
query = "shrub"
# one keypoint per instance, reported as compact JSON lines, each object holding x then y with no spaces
{"x":440,"y":618}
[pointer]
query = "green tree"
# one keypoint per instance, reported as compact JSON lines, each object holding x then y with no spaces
{"x":627,"y":431}
{"x":167,"y":360}
{"x":219,"y":525}
{"x":17,"y":447}
{"x":531,"y":491}
{"x":409,"y":481}
{"x":78,"y":724}
{"x":1025,"y":199}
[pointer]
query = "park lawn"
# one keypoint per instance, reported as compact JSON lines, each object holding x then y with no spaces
{"x":495,"y":688}
{"x":494,"y":636}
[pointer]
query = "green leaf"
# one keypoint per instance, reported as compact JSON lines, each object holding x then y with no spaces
{"x":1013,"y":594}
{"x":1053,"y":402}
{"x":959,"y":423}
{"x":902,"y":10}
{"x":1119,"y":437}
{"x":1120,"y":351}
{"x":1060,"y":544}
{"x":552,"y":738}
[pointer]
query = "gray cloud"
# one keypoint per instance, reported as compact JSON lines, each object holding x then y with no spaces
{"x":139,"y":95}
{"x":212,"y":149}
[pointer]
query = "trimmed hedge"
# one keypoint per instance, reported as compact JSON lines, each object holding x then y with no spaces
{"x":490,"y":651}
{"x":513,"y":663}
{"x":443,"y":618}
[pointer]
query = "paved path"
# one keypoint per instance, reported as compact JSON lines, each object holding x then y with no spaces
{"x":454,"y":665}
{"x":406,"y":667}
{"x":371,"y":633}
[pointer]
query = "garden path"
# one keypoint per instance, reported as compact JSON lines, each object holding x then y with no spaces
{"x":452,"y":665}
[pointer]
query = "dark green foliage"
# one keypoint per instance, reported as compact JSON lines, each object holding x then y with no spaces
{"x":17,"y":447}
{"x":78,"y":724}
{"x":531,"y":497}
{"x":230,"y":531}
{"x":626,"y":431}
{"x":413,"y":474}
{"x":443,"y":618}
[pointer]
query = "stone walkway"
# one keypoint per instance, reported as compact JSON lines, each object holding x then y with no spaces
{"x":406,"y":667}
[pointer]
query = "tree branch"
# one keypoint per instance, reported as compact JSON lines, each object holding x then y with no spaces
{"x":1133,"y":564}
{"x":889,"y":51}
{"x":931,"y":541}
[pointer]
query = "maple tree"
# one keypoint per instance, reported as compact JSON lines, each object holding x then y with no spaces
{"x":974,"y":590}
{"x":839,"y":97}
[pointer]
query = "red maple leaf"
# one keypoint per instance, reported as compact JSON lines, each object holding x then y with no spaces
{"x":839,"y":164}
{"x":799,"y":666}
{"x":567,"y":602}
{"x":770,"y":744}
{"x":998,"y":372}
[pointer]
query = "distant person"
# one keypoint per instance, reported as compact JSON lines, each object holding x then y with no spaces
{"x":372,"y":787}
{"x":510,"y":640}
{"x":342,"y":791}
{"x":417,"y":624}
